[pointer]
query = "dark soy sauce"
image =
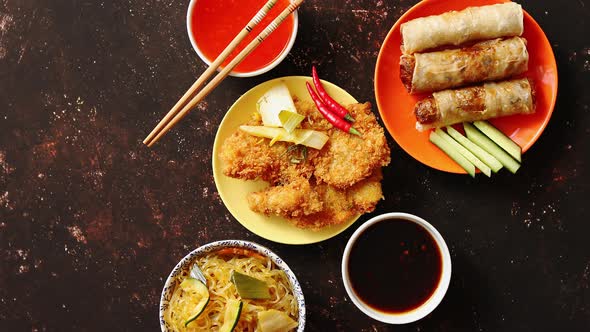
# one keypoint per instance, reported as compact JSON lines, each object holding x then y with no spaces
{"x":395,"y":266}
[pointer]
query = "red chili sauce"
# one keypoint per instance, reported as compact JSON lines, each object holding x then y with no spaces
{"x":215,"y":23}
{"x":395,"y":266}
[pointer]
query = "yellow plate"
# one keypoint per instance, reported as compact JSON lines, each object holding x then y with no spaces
{"x":233,"y":191}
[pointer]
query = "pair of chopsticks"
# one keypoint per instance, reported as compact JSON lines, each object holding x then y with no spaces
{"x":178,"y":111}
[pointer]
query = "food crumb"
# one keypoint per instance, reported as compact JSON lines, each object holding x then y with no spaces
{"x":23,"y":269}
{"x":76,"y":232}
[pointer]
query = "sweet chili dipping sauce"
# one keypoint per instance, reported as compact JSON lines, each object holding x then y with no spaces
{"x":395,"y":266}
{"x":215,"y":23}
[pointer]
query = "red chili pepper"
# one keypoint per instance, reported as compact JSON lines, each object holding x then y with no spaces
{"x":328,"y":101}
{"x":331,"y":117}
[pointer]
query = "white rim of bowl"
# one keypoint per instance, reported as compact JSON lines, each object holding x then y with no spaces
{"x":260,"y":71}
{"x":430,"y":304}
{"x":216,"y":245}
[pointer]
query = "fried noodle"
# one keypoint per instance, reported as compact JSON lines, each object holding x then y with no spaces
{"x":217,"y":270}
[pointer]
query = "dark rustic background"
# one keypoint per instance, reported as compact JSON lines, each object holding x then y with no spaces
{"x":92,"y":221}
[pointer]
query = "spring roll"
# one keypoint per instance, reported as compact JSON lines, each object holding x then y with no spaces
{"x":455,"y":28}
{"x":486,"y":61}
{"x":490,"y":100}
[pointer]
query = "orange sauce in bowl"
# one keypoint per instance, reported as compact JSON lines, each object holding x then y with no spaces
{"x":214,"y":23}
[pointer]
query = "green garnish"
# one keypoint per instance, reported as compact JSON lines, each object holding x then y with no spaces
{"x":290,"y":149}
{"x":249,"y":287}
{"x":302,"y":157}
{"x":290,"y":120}
{"x":308,"y":137}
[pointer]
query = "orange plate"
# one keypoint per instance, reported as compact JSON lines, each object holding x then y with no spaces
{"x":396,"y":105}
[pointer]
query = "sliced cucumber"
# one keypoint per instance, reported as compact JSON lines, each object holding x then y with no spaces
{"x":500,"y":138}
{"x":480,"y":153}
{"x":249,"y":287}
{"x":453,"y":153}
{"x":195,"y":290}
{"x":487,"y":144}
{"x":465,"y":153}
{"x":233,"y":309}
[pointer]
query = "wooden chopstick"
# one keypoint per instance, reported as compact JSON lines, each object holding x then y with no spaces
{"x":166,"y":125}
{"x":214,"y":65}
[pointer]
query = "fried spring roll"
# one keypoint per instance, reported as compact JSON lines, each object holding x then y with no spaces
{"x":490,"y":100}
{"x":455,"y":28}
{"x":486,"y":61}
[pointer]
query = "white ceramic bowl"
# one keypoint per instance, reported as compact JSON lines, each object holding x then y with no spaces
{"x":430,"y":304}
{"x":181,"y":270}
{"x":260,"y":71}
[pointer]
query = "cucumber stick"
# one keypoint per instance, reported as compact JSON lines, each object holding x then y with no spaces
{"x":487,"y":144}
{"x":480,"y":153}
{"x":233,"y":309}
{"x":453,"y":153}
{"x":500,"y":138}
{"x":465,"y":153}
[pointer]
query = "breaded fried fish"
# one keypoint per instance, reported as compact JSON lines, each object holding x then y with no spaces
{"x":249,"y":157}
{"x":294,"y":199}
{"x":328,"y":187}
{"x":346,"y":159}
{"x":315,"y":206}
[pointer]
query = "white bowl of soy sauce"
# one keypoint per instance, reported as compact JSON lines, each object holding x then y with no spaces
{"x":396,"y":268}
